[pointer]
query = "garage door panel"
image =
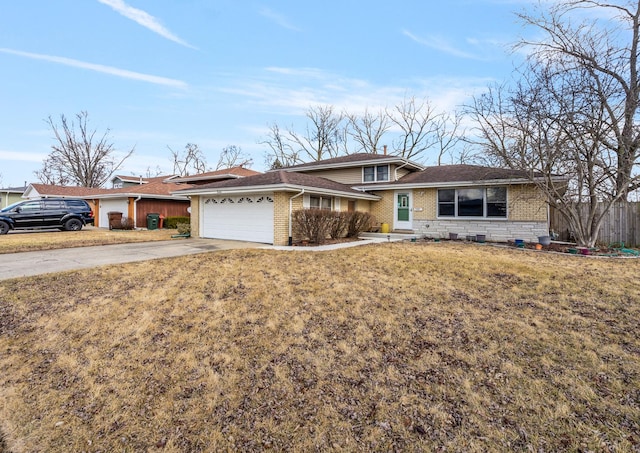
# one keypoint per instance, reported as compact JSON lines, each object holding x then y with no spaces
{"x":106,"y":206}
{"x":245,"y":218}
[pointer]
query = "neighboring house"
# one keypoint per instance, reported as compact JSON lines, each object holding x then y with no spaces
{"x":133,"y":201}
{"x":434,"y":201}
{"x":136,"y":197}
{"x":10,"y":195}
{"x":217,"y":175}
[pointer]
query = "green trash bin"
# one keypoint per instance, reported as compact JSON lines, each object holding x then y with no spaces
{"x":153,"y":220}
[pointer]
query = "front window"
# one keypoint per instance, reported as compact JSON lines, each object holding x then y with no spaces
{"x":320,"y":203}
{"x":473,"y":202}
{"x":375,"y":173}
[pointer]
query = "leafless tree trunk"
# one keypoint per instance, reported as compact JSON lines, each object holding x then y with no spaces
{"x":606,"y":48}
{"x":232,"y":156}
{"x":189,"y":161}
{"x":554,"y":129}
{"x":415,"y":121}
{"x":368,"y":129}
{"x":281,"y":154}
{"x":323,"y":137}
{"x":79,"y":157}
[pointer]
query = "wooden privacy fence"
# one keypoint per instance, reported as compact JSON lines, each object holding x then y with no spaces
{"x":620,"y":224}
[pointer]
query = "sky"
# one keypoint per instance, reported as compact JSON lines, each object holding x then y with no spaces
{"x":158,"y":74}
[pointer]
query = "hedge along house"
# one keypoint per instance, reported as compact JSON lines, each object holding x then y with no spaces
{"x":433,"y":201}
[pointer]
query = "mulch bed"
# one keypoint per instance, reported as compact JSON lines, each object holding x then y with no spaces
{"x":558,"y":247}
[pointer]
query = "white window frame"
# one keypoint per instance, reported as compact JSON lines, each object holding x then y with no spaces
{"x":375,"y":173}
{"x":307,"y":202}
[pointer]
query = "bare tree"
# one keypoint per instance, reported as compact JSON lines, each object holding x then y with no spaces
{"x":79,"y":157}
{"x":232,"y":156}
{"x":281,"y":153}
{"x":554,"y":129}
{"x":368,"y":129}
{"x":573,"y":113}
{"x":189,"y":161}
{"x":323,"y":137}
{"x":606,"y":48}
{"x":415,"y":121}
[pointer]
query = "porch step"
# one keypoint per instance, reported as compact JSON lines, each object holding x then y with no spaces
{"x":392,"y":235}
{"x":403,"y":231}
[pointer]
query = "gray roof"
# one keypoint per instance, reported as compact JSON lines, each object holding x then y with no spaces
{"x":278,"y":177}
{"x":351,"y":160}
{"x":461,"y":173}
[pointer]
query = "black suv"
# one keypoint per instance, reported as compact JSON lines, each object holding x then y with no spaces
{"x":64,"y":213}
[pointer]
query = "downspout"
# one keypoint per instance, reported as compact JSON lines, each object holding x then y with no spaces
{"x":291,"y":215}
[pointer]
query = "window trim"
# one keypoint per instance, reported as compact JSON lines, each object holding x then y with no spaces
{"x":485,"y":204}
{"x":375,"y":173}
{"x":320,"y":199}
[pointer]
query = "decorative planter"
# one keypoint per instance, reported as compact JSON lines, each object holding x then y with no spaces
{"x":585,"y":251}
{"x":519,"y":243}
{"x":453,"y":236}
{"x":538,"y":246}
{"x":544,"y":240}
{"x":481,"y":238}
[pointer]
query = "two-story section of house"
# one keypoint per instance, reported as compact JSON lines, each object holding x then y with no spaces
{"x":431,"y":201}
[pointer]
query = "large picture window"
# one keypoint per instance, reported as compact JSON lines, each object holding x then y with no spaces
{"x":375,"y":173}
{"x":473,"y":202}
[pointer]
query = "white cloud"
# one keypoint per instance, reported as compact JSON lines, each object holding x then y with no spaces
{"x":100,"y":68}
{"x":291,"y":91}
{"x":442,"y":45}
{"x":22,"y":156}
{"x":145,"y":19}
{"x":277,"y":18}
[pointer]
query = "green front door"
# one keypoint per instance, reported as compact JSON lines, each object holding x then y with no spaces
{"x":403,"y":207}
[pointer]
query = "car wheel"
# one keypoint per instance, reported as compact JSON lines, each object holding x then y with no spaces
{"x":73,"y":225}
{"x":4,"y":227}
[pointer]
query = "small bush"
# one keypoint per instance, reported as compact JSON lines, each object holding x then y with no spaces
{"x":312,"y":224}
{"x":315,"y":225}
{"x":184,"y":228}
{"x":359,"y":222}
{"x":127,"y":223}
{"x":172,"y":222}
{"x":338,"y":224}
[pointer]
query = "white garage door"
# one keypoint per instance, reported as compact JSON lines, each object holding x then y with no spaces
{"x":242,"y":218}
{"x":107,"y":206}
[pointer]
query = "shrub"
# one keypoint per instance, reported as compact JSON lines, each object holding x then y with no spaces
{"x":338,"y":224}
{"x":172,"y":222}
{"x":311,"y":224}
{"x":127,"y":223}
{"x":316,"y":225}
{"x":359,"y":222}
{"x":184,"y":228}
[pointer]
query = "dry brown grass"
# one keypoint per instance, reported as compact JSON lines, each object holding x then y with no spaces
{"x":405,"y":347}
{"x":28,"y":241}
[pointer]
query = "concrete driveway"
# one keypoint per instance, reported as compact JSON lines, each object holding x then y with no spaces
{"x":26,"y":264}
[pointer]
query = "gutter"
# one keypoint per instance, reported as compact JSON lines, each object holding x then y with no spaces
{"x":291,"y":215}
{"x":135,"y":210}
{"x":398,"y":168}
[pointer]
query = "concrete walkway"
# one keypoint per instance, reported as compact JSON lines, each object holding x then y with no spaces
{"x":24,"y":264}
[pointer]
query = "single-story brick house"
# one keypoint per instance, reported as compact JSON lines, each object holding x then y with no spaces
{"x":10,"y":195}
{"x":135,"y":201}
{"x":466,"y":199}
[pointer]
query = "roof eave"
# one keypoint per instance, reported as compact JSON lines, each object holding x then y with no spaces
{"x":277,"y":188}
{"x":405,"y":162}
{"x":441,"y":184}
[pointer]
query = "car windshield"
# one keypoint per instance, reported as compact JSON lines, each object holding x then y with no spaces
{"x":10,"y":207}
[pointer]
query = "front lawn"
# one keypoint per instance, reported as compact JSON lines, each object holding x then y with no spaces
{"x":388,"y":347}
{"x":32,"y":240}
